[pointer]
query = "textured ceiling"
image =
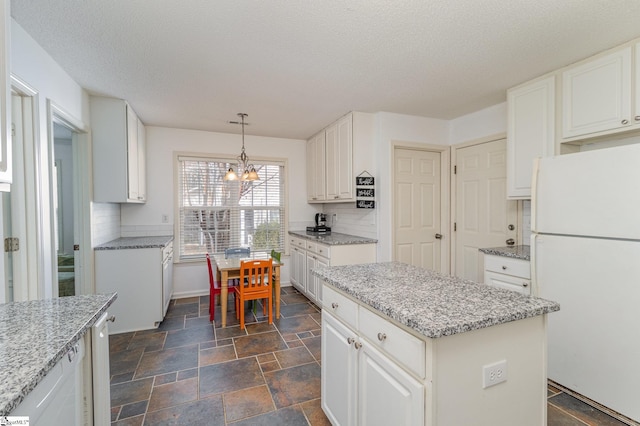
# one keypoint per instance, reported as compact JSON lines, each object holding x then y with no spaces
{"x":295,"y":66}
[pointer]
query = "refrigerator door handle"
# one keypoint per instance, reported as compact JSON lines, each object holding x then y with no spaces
{"x":534,"y":193}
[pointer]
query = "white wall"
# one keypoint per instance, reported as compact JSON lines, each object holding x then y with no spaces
{"x":32,"y":65}
{"x":478,"y":124}
{"x":163,"y":143}
{"x":398,"y":128}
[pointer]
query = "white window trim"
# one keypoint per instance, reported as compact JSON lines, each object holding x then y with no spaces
{"x":232,"y":159}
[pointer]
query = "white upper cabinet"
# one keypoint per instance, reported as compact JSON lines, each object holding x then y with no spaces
{"x":333,"y":166}
{"x":118,"y":139}
{"x":5,"y":99}
{"x":316,"y":169}
{"x":596,"y":95}
{"x":530,"y":132}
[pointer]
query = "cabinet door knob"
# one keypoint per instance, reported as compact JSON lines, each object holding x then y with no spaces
{"x":504,"y":268}
{"x":382,"y":336}
{"x":637,"y":118}
{"x":350,"y":340}
{"x":625,"y":121}
{"x":334,"y":305}
{"x":357,"y":345}
{"x":525,"y":284}
{"x":112,"y":318}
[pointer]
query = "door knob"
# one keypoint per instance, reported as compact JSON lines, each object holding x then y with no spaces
{"x":438,"y":236}
{"x":510,"y":242}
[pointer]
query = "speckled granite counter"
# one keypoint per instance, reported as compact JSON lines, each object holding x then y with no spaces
{"x":430,"y":303}
{"x":516,"y":252}
{"x":136,"y":243}
{"x":334,"y":238}
{"x":35,"y":335}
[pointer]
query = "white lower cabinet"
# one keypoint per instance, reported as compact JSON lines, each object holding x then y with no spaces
{"x":508,"y":273}
{"x":307,"y":255}
{"x":366,"y":386}
{"x":100,"y":371}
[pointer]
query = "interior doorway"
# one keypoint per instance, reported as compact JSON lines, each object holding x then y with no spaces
{"x":420,"y":205}
{"x":483,"y":217}
{"x":71,"y":247}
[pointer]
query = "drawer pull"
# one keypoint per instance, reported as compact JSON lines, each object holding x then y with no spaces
{"x":525,"y":284}
{"x":357,"y":345}
{"x":637,"y":118}
{"x":625,"y":122}
{"x":504,"y":268}
{"x":334,"y":305}
{"x":350,"y":340}
{"x":382,"y":337}
{"x":112,"y":318}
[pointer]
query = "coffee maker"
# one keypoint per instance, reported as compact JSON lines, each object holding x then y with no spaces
{"x":321,"y":225}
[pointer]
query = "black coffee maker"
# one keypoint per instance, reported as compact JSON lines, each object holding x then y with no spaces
{"x":321,"y":225}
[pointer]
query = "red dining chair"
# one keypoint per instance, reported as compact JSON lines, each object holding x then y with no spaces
{"x":255,"y":284}
{"x":214,"y":288}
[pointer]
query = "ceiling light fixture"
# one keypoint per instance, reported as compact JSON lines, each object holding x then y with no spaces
{"x":248,"y":170}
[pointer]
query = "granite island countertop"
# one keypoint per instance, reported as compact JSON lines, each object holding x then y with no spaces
{"x":333,"y":238}
{"x":430,"y":303}
{"x":136,"y":243}
{"x":36,"y":334}
{"x":516,"y":252}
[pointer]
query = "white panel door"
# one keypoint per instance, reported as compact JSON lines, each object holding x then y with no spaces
{"x":417,"y":186}
{"x":483,"y":213}
{"x":338,"y":372}
{"x":387,"y":394}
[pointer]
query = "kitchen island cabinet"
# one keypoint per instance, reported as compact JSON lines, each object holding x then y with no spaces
{"x":36,"y":335}
{"x":405,"y":345}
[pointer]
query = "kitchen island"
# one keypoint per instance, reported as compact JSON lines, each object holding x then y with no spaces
{"x":404,"y":345}
{"x":35,"y":335}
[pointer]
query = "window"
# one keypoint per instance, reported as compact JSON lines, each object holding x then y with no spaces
{"x":215,"y":214}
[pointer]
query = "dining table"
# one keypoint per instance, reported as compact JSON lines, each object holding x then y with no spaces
{"x":228,"y":267}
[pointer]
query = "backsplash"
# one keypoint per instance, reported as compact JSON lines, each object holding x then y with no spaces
{"x":146,"y":230}
{"x":352,"y":221}
{"x":526,"y":222}
{"x":105,"y":225}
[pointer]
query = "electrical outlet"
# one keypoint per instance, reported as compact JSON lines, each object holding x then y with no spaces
{"x":493,"y":374}
{"x":165,"y":218}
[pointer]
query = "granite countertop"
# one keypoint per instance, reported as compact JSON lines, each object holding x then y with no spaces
{"x":333,"y":238}
{"x":516,"y":252}
{"x":35,"y":335}
{"x":432,"y":304}
{"x":136,"y":243}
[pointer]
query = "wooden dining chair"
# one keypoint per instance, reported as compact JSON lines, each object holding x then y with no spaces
{"x":255,"y":284}
{"x":214,"y":288}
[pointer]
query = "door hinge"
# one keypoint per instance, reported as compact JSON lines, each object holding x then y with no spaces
{"x":455,"y":170}
{"x":455,"y":226}
{"x":11,"y":244}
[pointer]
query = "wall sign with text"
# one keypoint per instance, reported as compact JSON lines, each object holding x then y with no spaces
{"x":365,"y":191}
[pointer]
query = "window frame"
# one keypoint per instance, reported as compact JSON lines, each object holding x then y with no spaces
{"x":197,"y":156}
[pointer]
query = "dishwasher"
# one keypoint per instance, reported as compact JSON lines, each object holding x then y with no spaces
{"x":57,"y":399}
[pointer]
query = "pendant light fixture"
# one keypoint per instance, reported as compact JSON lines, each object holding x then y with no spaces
{"x":248,"y":170}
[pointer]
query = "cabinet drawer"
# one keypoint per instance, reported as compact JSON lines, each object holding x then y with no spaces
{"x":319,"y":249}
{"x":508,"y":282}
{"x":506,"y":265}
{"x":297,"y":242}
{"x":404,"y":347}
{"x":340,"y":306}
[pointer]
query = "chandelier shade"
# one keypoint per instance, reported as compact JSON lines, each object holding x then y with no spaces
{"x":245,"y":168}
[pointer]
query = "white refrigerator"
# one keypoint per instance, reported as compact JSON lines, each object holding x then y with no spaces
{"x":585,"y":253}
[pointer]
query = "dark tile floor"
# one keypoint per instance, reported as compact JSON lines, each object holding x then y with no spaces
{"x":187,"y":372}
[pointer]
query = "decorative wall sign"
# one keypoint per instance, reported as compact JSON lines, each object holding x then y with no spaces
{"x":365,"y":191}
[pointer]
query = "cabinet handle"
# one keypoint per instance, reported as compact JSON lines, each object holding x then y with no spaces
{"x":335,"y":197}
{"x":382,"y":336}
{"x":637,"y":118}
{"x":334,"y":305}
{"x":504,"y":268}
{"x":357,"y":345}
{"x":625,"y":121}
{"x":350,"y":340}
{"x":112,"y":318}
{"x":525,"y":284}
